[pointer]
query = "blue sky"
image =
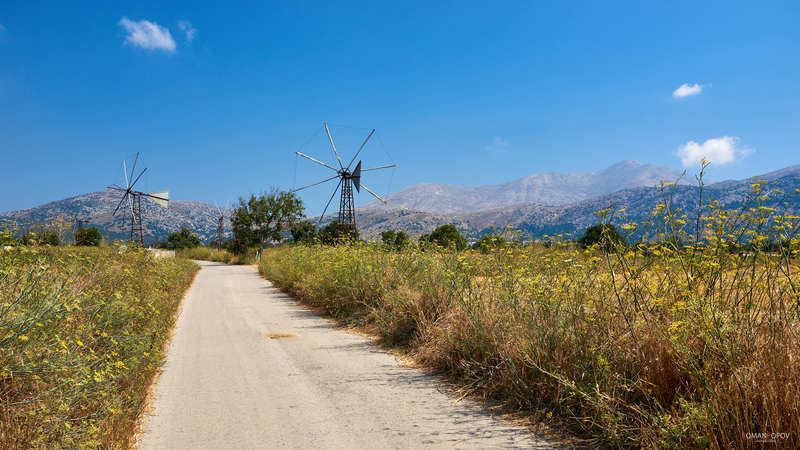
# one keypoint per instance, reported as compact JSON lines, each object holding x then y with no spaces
{"x":217,"y":99}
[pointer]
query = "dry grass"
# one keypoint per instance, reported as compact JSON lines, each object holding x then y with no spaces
{"x":651,"y":345}
{"x":81,"y":337}
{"x":207,"y":254}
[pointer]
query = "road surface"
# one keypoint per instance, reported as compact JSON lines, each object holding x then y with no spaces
{"x":248,"y":367}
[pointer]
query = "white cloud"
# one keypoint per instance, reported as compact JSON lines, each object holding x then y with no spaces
{"x":2,"y":28}
{"x":497,"y":144}
{"x":187,"y":28}
{"x":146,"y":34}
{"x":718,"y":151}
{"x":687,"y":90}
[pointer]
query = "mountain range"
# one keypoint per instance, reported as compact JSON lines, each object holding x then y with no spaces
{"x":538,"y":204}
{"x":534,"y":220}
{"x":546,"y":189}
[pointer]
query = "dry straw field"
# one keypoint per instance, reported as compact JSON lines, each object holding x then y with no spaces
{"x":81,"y":336}
{"x":688,"y":339}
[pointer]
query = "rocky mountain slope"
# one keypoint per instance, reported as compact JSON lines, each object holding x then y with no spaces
{"x":534,"y":220}
{"x":96,"y":207}
{"x":543,"y":188}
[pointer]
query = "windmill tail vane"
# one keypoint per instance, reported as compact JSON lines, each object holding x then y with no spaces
{"x":348,"y":180}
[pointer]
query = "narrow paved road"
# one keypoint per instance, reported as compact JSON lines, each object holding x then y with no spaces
{"x":228,"y":384}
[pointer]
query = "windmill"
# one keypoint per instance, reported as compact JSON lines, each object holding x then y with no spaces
{"x":220,"y":228}
{"x":134,"y":200}
{"x":348,"y":179}
{"x":79,"y":223}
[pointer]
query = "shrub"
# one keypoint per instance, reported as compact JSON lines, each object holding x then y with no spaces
{"x":48,"y":238}
{"x":182,"y":239}
{"x":445,"y":236}
{"x":335,"y":233}
{"x":605,"y":235}
{"x":88,"y":237}
{"x":395,"y":240}
{"x":304,"y":232}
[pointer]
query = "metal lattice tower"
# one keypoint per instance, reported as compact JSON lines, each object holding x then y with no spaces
{"x":347,"y":215}
{"x":219,"y":232}
{"x":348,"y":179}
{"x":137,"y":229}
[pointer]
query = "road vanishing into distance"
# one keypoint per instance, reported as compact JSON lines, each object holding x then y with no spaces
{"x":248,"y":367}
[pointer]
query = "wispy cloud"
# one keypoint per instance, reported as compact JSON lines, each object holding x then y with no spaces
{"x":497,"y":144}
{"x":718,"y":151}
{"x":2,"y":28}
{"x":687,"y":90}
{"x":149,"y":35}
{"x":188,"y":29}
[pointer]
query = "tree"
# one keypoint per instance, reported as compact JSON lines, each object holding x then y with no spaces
{"x":395,"y":240}
{"x":606,"y":235}
{"x":304,"y":232}
{"x":447,"y":236}
{"x":88,"y":236}
{"x":182,"y":239}
{"x":336,"y":233}
{"x":263,"y":219}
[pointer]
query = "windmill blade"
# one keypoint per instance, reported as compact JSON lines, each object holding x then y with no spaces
{"x":330,"y":138}
{"x":329,"y":202}
{"x":379,"y":167}
{"x":130,"y":205}
{"x":314,"y":184}
{"x":317,"y":161}
{"x":356,"y":177}
{"x":359,"y":148}
{"x":124,"y":196}
{"x":140,"y":176}
{"x":374,"y":194}
{"x":161,"y":198}
{"x":125,"y":174}
{"x":133,"y":169}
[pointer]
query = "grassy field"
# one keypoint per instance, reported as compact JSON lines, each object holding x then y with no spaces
{"x":208,"y":254}
{"x":81,"y":337}
{"x":656,"y":345}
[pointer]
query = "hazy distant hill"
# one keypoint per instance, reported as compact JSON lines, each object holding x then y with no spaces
{"x":534,"y":220}
{"x":96,"y":207}
{"x":542,"y":188}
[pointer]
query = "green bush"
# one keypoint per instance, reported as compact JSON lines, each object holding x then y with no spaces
{"x":88,"y":237}
{"x":336,"y":233}
{"x":445,"y":236}
{"x":182,"y":239}
{"x":395,"y":240}
{"x":304,"y":232}
{"x":605,"y":234}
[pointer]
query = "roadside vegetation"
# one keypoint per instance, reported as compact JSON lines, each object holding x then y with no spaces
{"x":679,"y":331}
{"x":82,"y":331}
{"x":209,"y":254}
